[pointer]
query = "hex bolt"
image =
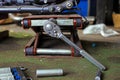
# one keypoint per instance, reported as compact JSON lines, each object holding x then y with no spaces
{"x":69,"y":4}
{"x":59,"y":9}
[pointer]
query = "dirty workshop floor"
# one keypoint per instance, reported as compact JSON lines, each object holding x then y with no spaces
{"x":76,"y":68}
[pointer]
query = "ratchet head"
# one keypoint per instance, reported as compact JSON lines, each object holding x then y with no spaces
{"x":52,"y":29}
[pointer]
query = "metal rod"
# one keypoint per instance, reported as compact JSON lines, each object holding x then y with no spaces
{"x":60,"y":22}
{"x":54,"y":51}
{"x":23,"y":9}
{"x":63,"y":22}
{"x":49,"y":72}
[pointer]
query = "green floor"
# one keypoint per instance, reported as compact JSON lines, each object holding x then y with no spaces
{"x":75,"y":68}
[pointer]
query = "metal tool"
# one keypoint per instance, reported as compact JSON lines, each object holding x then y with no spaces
{"x":49,"y":72}
{"x":54,"y":51}
{"x":40,"y":51}
{"x":98,"y":75}
{"x":53,"y":30}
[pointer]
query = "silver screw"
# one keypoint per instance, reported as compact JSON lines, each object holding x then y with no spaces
{"x":59,"y":9}
{"x":49,"y":27}
{"x":69,"y":4}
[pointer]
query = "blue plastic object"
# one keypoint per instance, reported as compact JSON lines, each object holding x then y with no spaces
{"x":17,"y":77}
{"x":83,"y":6}
{"x":16,"y":74}
{"x":94,"y":45}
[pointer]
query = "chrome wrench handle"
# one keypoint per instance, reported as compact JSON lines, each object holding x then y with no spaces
{"x":53,"y":30}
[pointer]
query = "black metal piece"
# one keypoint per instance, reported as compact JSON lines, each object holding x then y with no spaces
{"x":26,"y":24}
{"x":76,"y":40}
{"x":4,"y":16}
{"x":78,"y":22}
{"x":21,"y":6}
{"x":29,"y":51}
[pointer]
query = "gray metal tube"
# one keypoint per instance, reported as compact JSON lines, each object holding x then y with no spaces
{"x":60,"y":22}
{"x":16,"y":9}
{"x":49,"y":72}
{"x":54,"y":51}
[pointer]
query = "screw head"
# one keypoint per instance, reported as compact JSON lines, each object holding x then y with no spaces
{"x":48,"y":27}
{"x":59,"y":9}
{"x":69,"y":4}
